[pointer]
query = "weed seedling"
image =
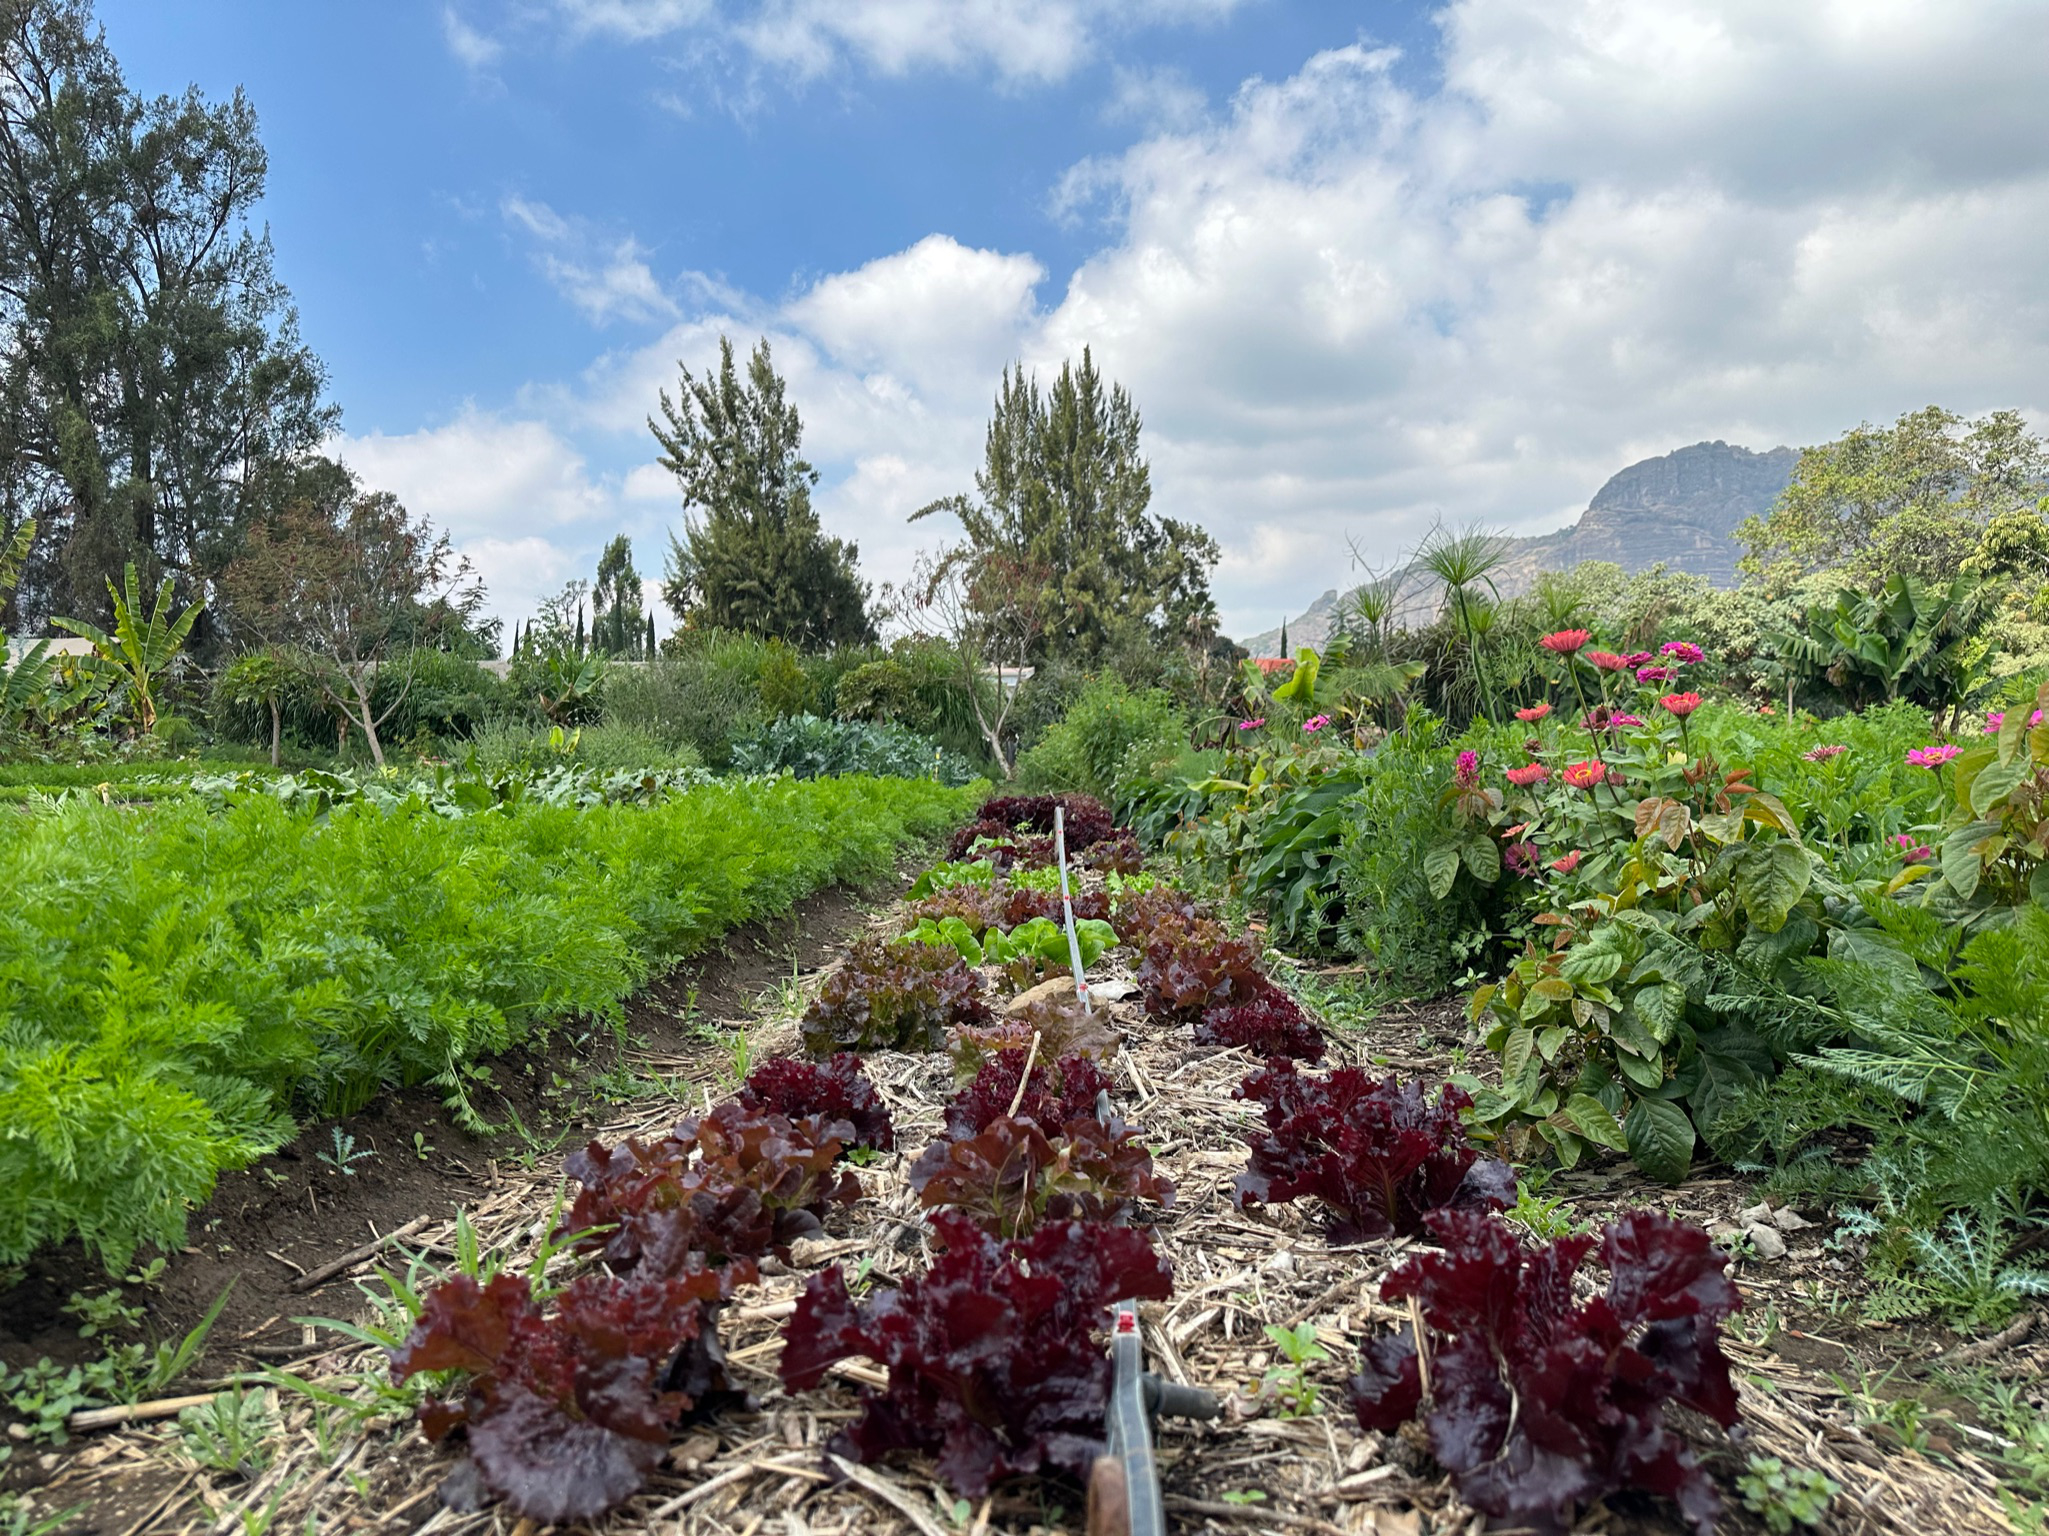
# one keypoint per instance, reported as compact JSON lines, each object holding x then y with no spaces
{"x":1785,"y":1496}
{"x":1243,"y":1496}
{"x":232,"y":1433}
{"x":344,"y":1157}
{"x":1289,"y":1383}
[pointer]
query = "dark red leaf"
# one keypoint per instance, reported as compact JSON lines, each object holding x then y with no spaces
{"x":835,"y":1088}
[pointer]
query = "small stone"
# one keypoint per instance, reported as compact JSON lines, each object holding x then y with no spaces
{"x":1766,"y":1239}
{"x":1790,"y":1220}
{"x":1282,"y":1263}
{"x":1725,"y":1232}
{"x":1761,"y":1211}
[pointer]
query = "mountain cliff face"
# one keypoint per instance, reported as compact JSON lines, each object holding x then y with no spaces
{"x":1681,"y":508}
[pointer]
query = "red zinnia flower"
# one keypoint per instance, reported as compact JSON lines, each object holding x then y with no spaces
{"x":1586,"y":775}
{"x":1528,"y":774}
{"x":1608,"y":661}
{"x":1566,"y":641}
{"x":1534,"y":713}
{"x":1681,"y":704}
{"x":1568,"y":864}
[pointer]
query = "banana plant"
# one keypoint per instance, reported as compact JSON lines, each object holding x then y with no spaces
{"x":139,"y":649}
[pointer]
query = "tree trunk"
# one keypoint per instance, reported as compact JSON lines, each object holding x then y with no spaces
{"x":368,"y":722}
{"x":276,"y":731}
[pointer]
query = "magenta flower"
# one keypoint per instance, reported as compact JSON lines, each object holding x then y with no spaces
{"x":1618,"y":721}
{"x":1685,"y":652}
{"x":1997,"y":719}
{"x":1932,"y":757}
{"x":1912,"y":852}
{"x":1824,"y":753}
{"x":1636,"y":658}
{"x":1252,"y":725}
{"x":1316,"y":722}
{"x":1468,"y":768}
{"x":1520,"y":858}
{"x":1655,"y":674}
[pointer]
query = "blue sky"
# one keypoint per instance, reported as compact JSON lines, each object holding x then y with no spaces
{"x":1363,"y":265}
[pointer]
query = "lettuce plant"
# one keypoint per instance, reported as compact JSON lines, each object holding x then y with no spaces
{"x":993,"y":1364}
{"x":1378,"y":1153}
{"x":1012,"y":1175}
{"x":890,"y":996}
{"x":1199,"y":966}
{"x":1268,"y":1025}
{"x":835,"y":1088}
{"x":1540,"y":1403}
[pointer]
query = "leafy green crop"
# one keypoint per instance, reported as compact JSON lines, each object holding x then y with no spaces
{"x":176,"y":984}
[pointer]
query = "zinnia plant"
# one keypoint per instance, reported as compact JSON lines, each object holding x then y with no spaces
{"x":1586,"y":775}
{"x":1608,"y":661}
{"x":1932,"y":757}
{"x":1537,"y":712}
{"x":1822,"y":754}
{"x":1566,"y":642}
{"x":1569,"y":863}
{"x":1528,"y":774}
{"x":1252,"y":725}
{"x":1911,"y":851}
{"x":1680,"y":704}
{"x":1997,"y":719}
{"x":1655,"y":674}
{"x":1685,"y":652}
{"x":1316,"y":722}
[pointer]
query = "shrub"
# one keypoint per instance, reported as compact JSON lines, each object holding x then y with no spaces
{"x":992,"y":1356}
{"x":702,"y":691}
{"x":437,"y":694}
{"x":1089,"y":746}
{"x":893,"y":997}
{"x":1376,"y":1152}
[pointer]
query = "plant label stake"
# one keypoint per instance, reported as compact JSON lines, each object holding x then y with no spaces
{"x":1081,"y":986}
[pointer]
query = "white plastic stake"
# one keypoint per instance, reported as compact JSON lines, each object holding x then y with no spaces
{"x":1081,"y":986}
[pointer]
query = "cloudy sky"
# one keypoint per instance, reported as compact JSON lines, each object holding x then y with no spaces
{"x":1362,"y":265}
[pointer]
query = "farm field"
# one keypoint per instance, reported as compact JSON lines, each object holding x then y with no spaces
{"x":1266,"y":1276}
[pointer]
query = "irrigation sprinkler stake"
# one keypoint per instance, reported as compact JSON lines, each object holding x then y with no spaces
{"x":1124,"y":1484}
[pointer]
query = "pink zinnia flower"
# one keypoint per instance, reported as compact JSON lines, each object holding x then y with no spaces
{"x":1655,"y":674}
{"x":1685,"y":652}
{"x":1932,"y":757}
{"x":1468,"y":772}
{"x":1608,"y":661}
{"x":1617,"y":721}
{"x":1520,"y":858}
{"x":1533,"y":714}
{"x":1252,"y":725}
{"x":1528,"y":774}
{"x":1823,"y":754}
{"x":1569,"y":863}
{"x":1566,"y":642}
{"x":1680,"y":704}
{"x":1636,"y":658}
{"x":1997,"y":718}
{"x":1912,"y":852}
{"x":1316,"y":722}
{"x":1586,"y":775}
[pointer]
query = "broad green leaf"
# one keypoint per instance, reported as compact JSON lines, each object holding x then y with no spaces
{"x":2038,"y":885}
{"x":1483,"y":858}
{"x":1962,"y":856}
{"x":1440,"y":868}
{"x":1769,"y":811}
{"x":1723,"y":826}
{"x":1590,"y":1117}
{"x":1649,"y":1075}
{"x":1769,"y":879}
{"x":1660,"y":1139}
{"x":1995,"y":781}
{"x":1549,"y":1040}
{"x":1564,"y":1143}
{"x":1515,"y":1055}
{"x":2011,"y":731}
{"x":1662,"y":1008}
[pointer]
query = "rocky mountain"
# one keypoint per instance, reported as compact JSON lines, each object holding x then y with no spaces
{"x":1680,"y":509}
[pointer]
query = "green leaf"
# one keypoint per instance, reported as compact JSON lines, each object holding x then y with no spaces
{"x":1769,"y":879}
{"x":1662,"y":1008}
{"x":1590,"y":1117}
{"x":1549,"y":1040}
{"x":1483,"y":859}
{"x":1995,"y":781}
{"x":1646,"y":1073}
{"x":1515,"y":1056}
{"x":2038,"y":885}
{"x":1440,"y":868}
{"x":1961,"y":864}
{"x":1660,"y":1139}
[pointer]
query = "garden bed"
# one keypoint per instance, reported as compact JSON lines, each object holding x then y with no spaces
{"x":1234,"y":1272}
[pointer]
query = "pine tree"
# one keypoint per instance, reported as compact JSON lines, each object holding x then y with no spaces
{"x":752,"y":556}
{"x":1065,"y":491}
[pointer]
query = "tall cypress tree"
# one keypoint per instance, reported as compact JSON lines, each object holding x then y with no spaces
{"x":615,"y":599}
{"x":1064,"y":491}
{"x":752,"y":556}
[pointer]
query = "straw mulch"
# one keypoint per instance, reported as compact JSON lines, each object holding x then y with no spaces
{"x":770,"y":1473}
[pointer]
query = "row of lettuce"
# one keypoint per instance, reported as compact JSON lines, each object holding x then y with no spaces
{"x":1039,"y":1196}
{"x":1689,"y":927}
{"x":180,"y":985}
